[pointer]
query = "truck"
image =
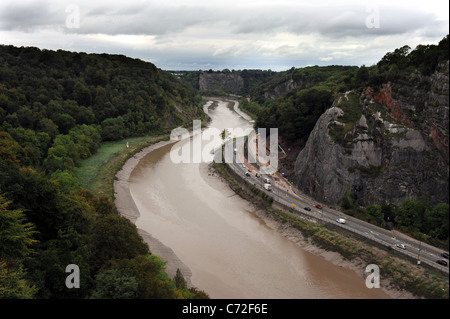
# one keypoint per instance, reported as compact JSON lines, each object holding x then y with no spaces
{"x":268,"y":187}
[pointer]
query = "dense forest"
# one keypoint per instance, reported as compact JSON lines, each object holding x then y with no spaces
{"x":295,"y":114}
{"x":295,"y":111}
{"x":56,"y":108}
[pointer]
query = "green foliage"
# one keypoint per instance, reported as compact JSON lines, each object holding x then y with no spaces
{"x":89,"y":89}
{"x":372,"y":214}
{"x":179,"y":280}
{"x":417,"y":217}
{"x":16,"y":234}
{"x":296,"y":113}
{"x":420,"y":216}
{"x":424,"y":58}
{"x":120,"y":237}
{"x":13,"y":284}
{"x":16,"y":238}
{"x":114,"y":284}
{"x":145,"y":272}
{"x":56,"y":108}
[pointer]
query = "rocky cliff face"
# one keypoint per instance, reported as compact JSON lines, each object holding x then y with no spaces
{"x":385,"y":145}
{"x":230,"y":83}
{"x":283,"y":88}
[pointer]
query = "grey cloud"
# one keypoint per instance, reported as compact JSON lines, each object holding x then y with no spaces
{"x":27,"y":17}
{"x":339,"y":21}
{"x":145,"y":18}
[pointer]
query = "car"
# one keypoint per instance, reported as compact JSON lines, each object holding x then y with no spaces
{"x":341,"y":220}
{"x":266,"y":180}
{"x":257,"y":175}
{"x":442,"y":262}
{"x":318,"y":206}
{"x":307,"y":208}
{"x":445,"y":255}
{"x":402,"y":246}
{"x":247,"y":174}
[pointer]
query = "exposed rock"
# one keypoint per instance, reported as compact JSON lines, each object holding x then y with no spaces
{"x":387,"y":155}
{"x":229,"y":83}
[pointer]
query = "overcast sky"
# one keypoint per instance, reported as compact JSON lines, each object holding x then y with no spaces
{"x":244,"y":34}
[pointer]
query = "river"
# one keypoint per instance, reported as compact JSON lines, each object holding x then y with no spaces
{"x":231,"y":252}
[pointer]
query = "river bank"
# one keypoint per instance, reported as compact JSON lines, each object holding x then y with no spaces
{"x":287,"y":229}
{"x":127,"y":207}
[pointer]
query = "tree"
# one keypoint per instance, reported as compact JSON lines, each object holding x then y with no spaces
{"x":16,"y":238}
{"x":224,"y":135}
{"x":13,"y":284}
{"x":362,"y":76}
{"x":16,"y":234}
{"x":114,"y":237}
{"x":82,"y":94}
{"x":436,"y":221}
{"x":67,"y":180}
{"x":145,"y":271}
{"x":179,"y":280}
{"x":114,"y":284}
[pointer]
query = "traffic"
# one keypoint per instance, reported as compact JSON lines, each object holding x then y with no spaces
{"x":284,"y":192}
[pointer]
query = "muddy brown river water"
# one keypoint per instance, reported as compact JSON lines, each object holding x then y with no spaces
{"x":231,"y":252}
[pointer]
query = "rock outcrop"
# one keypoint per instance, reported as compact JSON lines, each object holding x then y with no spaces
{"x":384,"y":145}
{"x":229,"y":83}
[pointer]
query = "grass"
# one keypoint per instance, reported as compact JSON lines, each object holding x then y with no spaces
{"x":403,"y":274}
{"x":97,"y":172}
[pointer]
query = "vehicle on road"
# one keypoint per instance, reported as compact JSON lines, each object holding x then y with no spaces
{"x":307,"y":208}
{"x":247,"y":174}
{"x":268,"y":187}
{"x":402,"y":246}
{"x":445,"y":255}
{"x":442,"y":262}
{"x":341,"y":220}
{"x":266,"y":180}
{"x":318,"y":206}
{"x":257,"y":175}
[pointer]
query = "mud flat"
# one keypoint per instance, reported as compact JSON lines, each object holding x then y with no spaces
{"x":127,"y":208}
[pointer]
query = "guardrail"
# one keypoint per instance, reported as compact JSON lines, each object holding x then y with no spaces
{"x":319,"y":216}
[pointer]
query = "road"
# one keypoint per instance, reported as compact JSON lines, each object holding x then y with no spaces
{"x":285,"y":193}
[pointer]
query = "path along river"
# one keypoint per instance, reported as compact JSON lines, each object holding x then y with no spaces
{"x":231,"y":252}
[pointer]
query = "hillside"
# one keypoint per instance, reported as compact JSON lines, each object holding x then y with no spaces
{"x":387,"y":139}
{"x":56,"y":108}
{"x":380,"y":152}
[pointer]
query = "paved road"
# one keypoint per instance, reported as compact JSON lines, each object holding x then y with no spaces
{"x":285,"y":193}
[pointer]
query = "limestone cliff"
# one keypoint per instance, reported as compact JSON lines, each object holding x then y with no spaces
{"x":385,"y":145}
{"x":229,"y":83}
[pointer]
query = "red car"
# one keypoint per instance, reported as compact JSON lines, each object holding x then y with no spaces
{"x":318,"y":206}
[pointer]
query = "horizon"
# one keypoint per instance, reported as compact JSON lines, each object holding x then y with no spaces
{"x":218,"y":35}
